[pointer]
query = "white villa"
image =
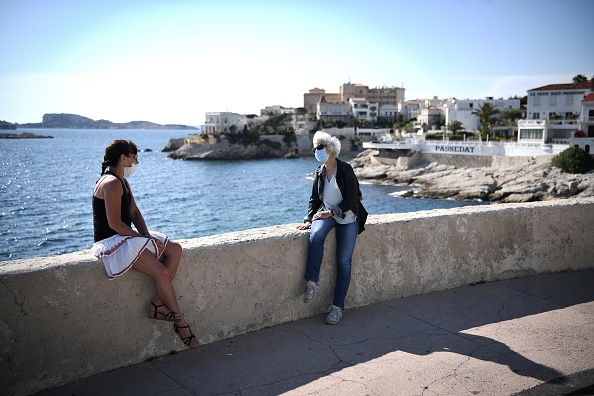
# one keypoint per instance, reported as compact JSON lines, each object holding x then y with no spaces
{"x":409,"y":109}
{"x":362,"y":109}
{"x":556,"y":112}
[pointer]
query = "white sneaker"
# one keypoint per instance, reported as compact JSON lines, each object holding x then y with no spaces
{"x":310,"y":291}
{"x":334,"y":315}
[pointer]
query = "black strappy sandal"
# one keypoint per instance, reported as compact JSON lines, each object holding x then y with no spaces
{"x":155,"y":314}
{"x":186,"y":340}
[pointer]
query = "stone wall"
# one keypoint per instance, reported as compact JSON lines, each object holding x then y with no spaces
{"x":62,"y":319}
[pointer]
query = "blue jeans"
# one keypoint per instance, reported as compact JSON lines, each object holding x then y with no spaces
{"x":346,"y":236}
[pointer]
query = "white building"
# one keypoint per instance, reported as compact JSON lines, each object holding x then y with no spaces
{"x":556,"y":112}
{"x":587,"y":115}
{"x":276,"y":110}
{"x":461,"y":110}
{"x":388,"y":113}
{"x":429,"y":116}
{"x":409,"y":109}
{"x":223,"y":122}
{"x":333,"y":110}
{"x":362,"y":109}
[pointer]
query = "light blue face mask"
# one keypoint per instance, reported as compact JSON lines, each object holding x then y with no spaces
{"x":322,"y":155}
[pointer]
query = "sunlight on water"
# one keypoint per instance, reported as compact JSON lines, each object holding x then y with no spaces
{"x":46,"y":187}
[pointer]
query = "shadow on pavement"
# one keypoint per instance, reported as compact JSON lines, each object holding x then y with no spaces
{"x":466,"y":321}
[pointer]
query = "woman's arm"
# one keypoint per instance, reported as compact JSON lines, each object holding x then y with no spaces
{"x":112,"y":191}
{"x":314,"y":200}
{"x":136,"y":215}
{"x":350,"y":196}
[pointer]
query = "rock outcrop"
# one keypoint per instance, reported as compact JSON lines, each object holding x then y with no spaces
{"x":24,"y":135}
{"x":173,"y":144}
{"x":535,"y":180}
{"x":225,"y":150}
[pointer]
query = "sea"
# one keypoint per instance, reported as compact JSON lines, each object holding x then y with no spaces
{"x":46,"y":187}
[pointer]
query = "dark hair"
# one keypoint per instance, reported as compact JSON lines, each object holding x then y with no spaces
{"x":114,"y":150}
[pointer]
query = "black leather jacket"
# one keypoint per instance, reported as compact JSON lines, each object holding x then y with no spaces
{"x":347,"y":183}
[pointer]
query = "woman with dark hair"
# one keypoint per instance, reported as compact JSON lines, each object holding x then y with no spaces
{"x":121,"y":247}
{"x":334,"y":203}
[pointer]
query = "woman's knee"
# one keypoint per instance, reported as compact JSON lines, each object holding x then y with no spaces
{"x":317,"y":237}
{"x":344,"y":266}
{"x":174,"y":249}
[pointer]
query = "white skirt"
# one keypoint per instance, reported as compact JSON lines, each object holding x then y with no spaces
{"x":119,"y":252}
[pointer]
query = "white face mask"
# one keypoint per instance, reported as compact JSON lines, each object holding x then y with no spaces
{"x":322,"y":155}
{"x":130,"y":170}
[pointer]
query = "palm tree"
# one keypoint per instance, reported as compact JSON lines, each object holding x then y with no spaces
{"x":487,"y":115}
{"x":580,"y":78}
{"x":353,"y":122}
{"x":455,"y":126}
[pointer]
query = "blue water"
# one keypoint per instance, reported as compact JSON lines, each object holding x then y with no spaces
{"x":46,"y":187}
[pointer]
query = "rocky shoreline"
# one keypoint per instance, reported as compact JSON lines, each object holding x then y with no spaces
{"x":225,"y":151}
{"x":536,"y":180}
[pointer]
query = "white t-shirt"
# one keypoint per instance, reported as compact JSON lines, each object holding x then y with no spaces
{"x":332,"y":197}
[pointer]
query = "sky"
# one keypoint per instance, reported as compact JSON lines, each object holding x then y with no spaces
{"x":170,"y":62}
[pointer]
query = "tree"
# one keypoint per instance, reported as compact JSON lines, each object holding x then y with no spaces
{"x":300,"y":111}
{"x":487,"y":115}
{"x":510,"y":117}
{"x":580,"y":78}
{"x":455,"y":126}
{"x":573,"y":160}
{"x":353,"y":122}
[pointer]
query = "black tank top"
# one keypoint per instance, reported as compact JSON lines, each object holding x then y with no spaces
{"x":101,"y":228}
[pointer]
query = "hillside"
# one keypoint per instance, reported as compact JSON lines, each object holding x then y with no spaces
{"x":73,"y":121}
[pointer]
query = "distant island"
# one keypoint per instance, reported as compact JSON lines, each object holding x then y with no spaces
{"x":73,"y":121}
{"x":24,"y":135}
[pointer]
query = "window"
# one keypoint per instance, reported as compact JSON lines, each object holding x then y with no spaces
{"x":534,"y":134}
{"x":553,"y":100}
{"x":536,"y":101}
{"x":587,"y":149}
{"x":568,"y":100}
{"x":560,"y":133}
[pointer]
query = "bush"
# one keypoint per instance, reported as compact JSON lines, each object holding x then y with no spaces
{"x":573,"y":160}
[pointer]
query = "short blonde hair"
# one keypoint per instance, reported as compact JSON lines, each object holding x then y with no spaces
{"x":330,"y":141}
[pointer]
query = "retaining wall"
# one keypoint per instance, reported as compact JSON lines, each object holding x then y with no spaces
{"x":62,"y":319}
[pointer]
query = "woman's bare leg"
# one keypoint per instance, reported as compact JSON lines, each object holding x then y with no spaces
{"x":149,"y":265}
{"x":171,"y":258}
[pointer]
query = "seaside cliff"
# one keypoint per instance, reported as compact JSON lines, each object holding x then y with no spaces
{"x":73,"y":121}
{"x":523,"y":180}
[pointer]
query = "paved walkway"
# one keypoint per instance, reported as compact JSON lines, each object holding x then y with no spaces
{"x":497,"y":338}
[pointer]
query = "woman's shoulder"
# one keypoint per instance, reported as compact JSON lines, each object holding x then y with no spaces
{"x":108,"y":181}
{"x":345,"y":166}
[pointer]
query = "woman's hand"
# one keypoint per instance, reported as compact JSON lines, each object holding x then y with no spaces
{"x":304,"y":226}
{"x":159,"y":244}
{"x":323,"y":215}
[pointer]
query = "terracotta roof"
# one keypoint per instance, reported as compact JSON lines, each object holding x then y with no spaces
{"x":589,"y":98}
{"x":560,"y":87}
